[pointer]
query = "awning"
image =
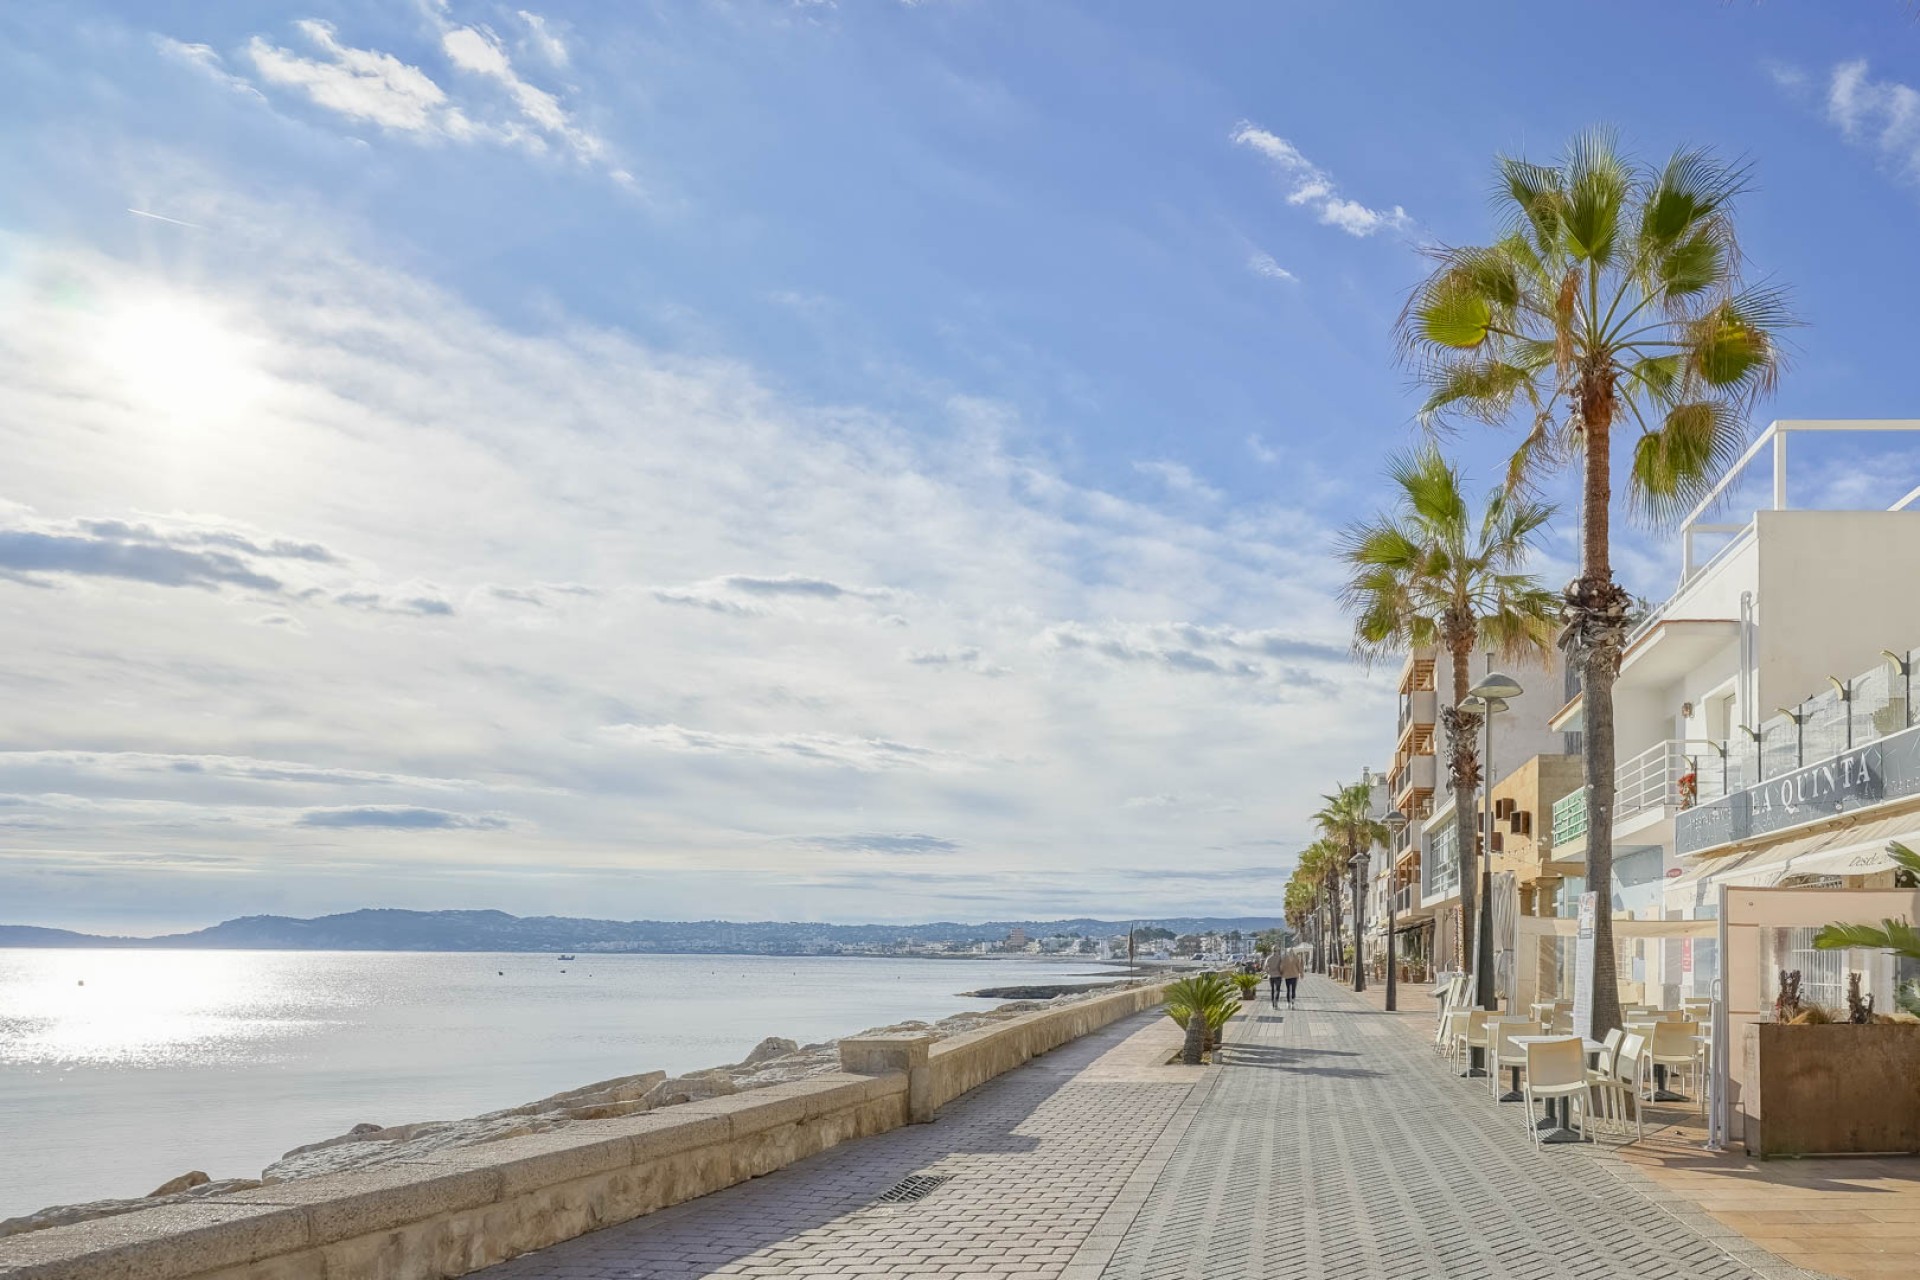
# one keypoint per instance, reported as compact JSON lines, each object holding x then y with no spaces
{"x":1856,"y":850}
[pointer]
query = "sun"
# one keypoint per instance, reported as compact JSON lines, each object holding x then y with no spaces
{"x":179,"y":358}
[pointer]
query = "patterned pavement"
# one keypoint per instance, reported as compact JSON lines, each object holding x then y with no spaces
{"x":1034,"y":1159}
{"x":1330,"y":1143}
{"x":1335,"y":1144}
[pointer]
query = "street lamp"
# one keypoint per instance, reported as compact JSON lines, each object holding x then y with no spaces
{"x":1489,"y":699}
{"x":1396,"y":822}
{"x":1357,"y":864}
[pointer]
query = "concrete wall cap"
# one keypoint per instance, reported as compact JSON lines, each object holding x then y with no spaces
{"x":342,"y":1205}
{"x":163,"y":1243}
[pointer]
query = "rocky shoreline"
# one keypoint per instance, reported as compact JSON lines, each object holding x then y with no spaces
{"x":774,"y":1060}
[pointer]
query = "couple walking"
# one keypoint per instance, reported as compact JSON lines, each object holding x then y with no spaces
{"x":1283,"y":966}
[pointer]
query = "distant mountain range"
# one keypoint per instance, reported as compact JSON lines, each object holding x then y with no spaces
{"x":394,"y":930}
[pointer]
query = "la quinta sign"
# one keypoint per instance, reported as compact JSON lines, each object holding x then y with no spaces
{"x":1828,"y":787}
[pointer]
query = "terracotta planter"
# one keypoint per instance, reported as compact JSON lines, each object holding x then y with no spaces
{"x":1833,"y":1089}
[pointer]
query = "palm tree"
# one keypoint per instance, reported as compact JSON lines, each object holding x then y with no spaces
{"x":1615,"y":293}
{"x":1897,"y":936}
{"x":1346,"y":820}
{"x":1429,"y":573}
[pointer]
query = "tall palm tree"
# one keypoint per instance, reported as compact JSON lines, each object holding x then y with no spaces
{"x":1613,"y":295}
{"x":1431,"y":573}
{"x":1346,"y":820}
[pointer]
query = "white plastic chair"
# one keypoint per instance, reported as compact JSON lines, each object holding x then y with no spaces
{"x":1557,"y":1069}
{"x":1468,"y":1033}
{"x":1506,"y":1055}
{"x":1600,"y":1076}
{"x":1630,"y":1067}
{"x":1675,"y":1046}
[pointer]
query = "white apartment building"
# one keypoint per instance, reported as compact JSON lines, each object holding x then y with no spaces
{"x":1424,"y":871}
{"x":1757,"y":703}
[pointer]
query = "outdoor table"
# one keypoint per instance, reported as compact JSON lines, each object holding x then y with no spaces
{"x":1554,"y":1127}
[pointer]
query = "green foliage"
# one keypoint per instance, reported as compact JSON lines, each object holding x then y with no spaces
{"x":1897,"y":936}
{"x":1245,"y":983}
{"x":1429,"y":572}
{"x":1206,"y":993}
{"x":1615,"y":287}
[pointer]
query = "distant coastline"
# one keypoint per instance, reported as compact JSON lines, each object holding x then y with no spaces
{"x":388,"y":929}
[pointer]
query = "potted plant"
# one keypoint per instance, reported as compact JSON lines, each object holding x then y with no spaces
{"x":1821,"y":1082}
{"x":1248,"y":983}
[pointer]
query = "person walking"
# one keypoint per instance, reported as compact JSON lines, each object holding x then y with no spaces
{"x":1290,"y":971}
{"x":1276,"y":967}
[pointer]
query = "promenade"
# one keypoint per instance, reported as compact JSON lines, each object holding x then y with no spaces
{"x":1330,"y":1142}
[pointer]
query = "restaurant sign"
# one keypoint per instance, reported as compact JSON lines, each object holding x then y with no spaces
{"x":1853,"y":779}
{"x":1844,"y":782}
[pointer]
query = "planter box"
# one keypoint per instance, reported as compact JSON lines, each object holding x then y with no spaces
{"x":1831,"y":1090}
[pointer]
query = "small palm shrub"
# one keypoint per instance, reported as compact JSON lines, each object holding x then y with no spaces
{"x":1205,"y":993}
{"x":1248,"y":984}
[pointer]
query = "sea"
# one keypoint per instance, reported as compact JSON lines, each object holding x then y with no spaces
{"x":120,"y":1069}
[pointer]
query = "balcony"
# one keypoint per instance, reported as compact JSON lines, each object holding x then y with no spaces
{"x":1570,"y":817}
{"x":1414,"y":774}
{"x":1675,"y":774}
{"x":1417,"y":707}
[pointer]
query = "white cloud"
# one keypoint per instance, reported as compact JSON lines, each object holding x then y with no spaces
{"x":1263,"y":265}
{"x":1262,"y":452}
{"x":477,"y":526}
{"x":1312,"y":187}
{"x":378,"y":88}
{"x":1180,"y":479}
{"x":479,"y":51}
{"x":1883,"y":114}
{"x":204,"y":59}
{"x":543,"y":39}
{"x":865,"y":754}
{"x":361,"y":84}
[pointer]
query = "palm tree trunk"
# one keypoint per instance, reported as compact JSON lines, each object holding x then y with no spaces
{"x":1597,"y":615}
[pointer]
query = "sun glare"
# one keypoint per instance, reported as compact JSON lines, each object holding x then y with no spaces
{"x":175,"y":357}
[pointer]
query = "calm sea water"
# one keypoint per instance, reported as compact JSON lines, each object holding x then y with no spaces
{"x":165,"y":1061}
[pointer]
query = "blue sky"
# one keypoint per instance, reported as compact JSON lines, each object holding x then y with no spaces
{"x":870,"y":460}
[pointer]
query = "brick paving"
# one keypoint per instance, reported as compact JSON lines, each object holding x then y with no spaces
{"x":1035,"y":1158}
{"x":1336,"y":1144}
{"x":1330,"y":1143}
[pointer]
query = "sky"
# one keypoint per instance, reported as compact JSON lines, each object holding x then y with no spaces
{"x":873,"y":460}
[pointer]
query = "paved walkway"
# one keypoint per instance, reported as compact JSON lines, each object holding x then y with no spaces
{"x":1335,"y":1144}
{"x":1035,"y":1158}
{"x":1330,"y":1143}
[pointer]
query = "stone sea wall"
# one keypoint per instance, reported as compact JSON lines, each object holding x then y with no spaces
{"x":435,"y":1200}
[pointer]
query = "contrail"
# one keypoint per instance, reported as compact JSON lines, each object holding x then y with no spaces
{"x":161,"y":217}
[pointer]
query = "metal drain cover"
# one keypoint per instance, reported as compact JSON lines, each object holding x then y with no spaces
{"x":915,"y":1186}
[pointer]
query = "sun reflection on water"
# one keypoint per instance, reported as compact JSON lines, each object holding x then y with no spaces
{"x":66,"y":1009}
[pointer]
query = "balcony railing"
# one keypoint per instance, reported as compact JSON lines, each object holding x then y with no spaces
{"x":1677,"y":773}
{"x":1570,"y":816}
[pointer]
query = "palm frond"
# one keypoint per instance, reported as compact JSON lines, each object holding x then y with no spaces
{"x":1675,"y":465}
{"x":1599,"y":184}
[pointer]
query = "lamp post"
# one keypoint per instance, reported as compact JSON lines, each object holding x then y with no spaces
{"x":1396,"y":822}
{"x":1489,"y":698}
{"x":1357,"y":864}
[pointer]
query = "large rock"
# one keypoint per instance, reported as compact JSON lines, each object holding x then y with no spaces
{"x":192,"y":1178}
{"x":696,"y":1087}
{"x":65,"y":1214}
{"x":771,"y":1047}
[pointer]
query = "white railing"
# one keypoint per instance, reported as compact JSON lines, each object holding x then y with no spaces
{"x":1677,"y":773}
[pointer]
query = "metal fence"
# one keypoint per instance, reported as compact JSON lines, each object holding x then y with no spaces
{"x":1874,"y":704}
